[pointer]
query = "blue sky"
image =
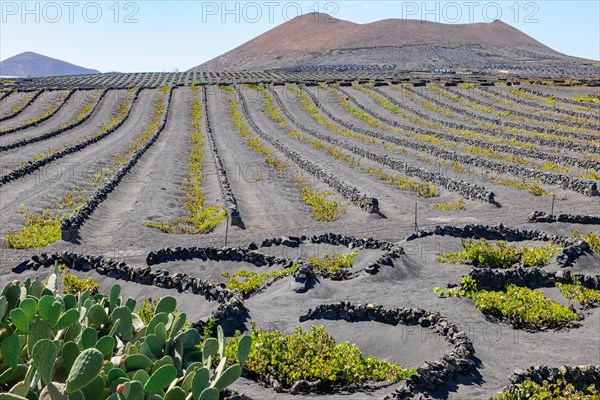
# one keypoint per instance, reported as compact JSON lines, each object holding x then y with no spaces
{"x":130,"y":36}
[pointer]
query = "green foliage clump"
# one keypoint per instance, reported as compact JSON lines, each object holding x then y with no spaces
{"x":524,"y":307}
{"x":532,"y":187}
{"x":501,"y":255}
{"x":591,"y":174}
{"x":84,"y":346}
{"x":577,"y":292}
{"x":587,"y":99}
{"x":39,"y":230}
{"x":73,"y":285}
{"x":148,"y":309}
{"x":323,"y":210}
{"x":558,"y":391}
{"x":468,"y":288}
{"x":424,"y":190}
{"x":335,"y":262}
{"x":313,"y":355}
{"x":592,"y":238}
{"x":550,"y":166}
{"x":457,"y":205}
{"x":520,"y":306}
{"x":248,"y":282}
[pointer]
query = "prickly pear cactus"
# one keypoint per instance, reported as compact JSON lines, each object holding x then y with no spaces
{"x":55,"y":347}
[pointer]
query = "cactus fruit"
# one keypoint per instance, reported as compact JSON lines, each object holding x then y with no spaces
{"x":120,"y":388}
{"x":43,"y":356}
{"x":11,"y":347}
{"x":85,"y":369}
{"x":160,"y":379}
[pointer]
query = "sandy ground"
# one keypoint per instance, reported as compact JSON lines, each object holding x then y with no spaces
{"x":271,"y":207}
{"x":106,"y":110}
{"x":12,"y":100}
{"x":64,"y":115}
{"x":36,"y":109}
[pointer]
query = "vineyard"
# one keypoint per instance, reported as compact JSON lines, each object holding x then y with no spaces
{"x":447,"y":226}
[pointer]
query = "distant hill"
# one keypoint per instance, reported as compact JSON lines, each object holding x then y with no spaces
{"x":31,"y":64}
{"x":316,"y":39}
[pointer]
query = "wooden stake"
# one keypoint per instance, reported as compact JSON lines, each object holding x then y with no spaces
{"x":553,"y":197}
{"x":226,"y":228}
{"x":416,"y":225}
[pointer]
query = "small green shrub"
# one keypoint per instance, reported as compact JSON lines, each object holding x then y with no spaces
{"x":591,"y":174}
{"x":333,"y":263}
{"x":248,"y":282}
{"x":73,"y":285}
{"x":558,"y":391}
{"x":524,"y":307}
{"x":424,"y":190}
{"x":577,"y":292}
{"x":457,"y":205}
{"x":532,"y":187}
{"x":521,"y":306}
{"x":592,"y":238}
{"x":468,"y":288}
{"x":39,"y":230}
{"x":587,"y":99}
{"x":312,"y":355}
{"x":323,"y":210}
{"x":501,"y":255}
